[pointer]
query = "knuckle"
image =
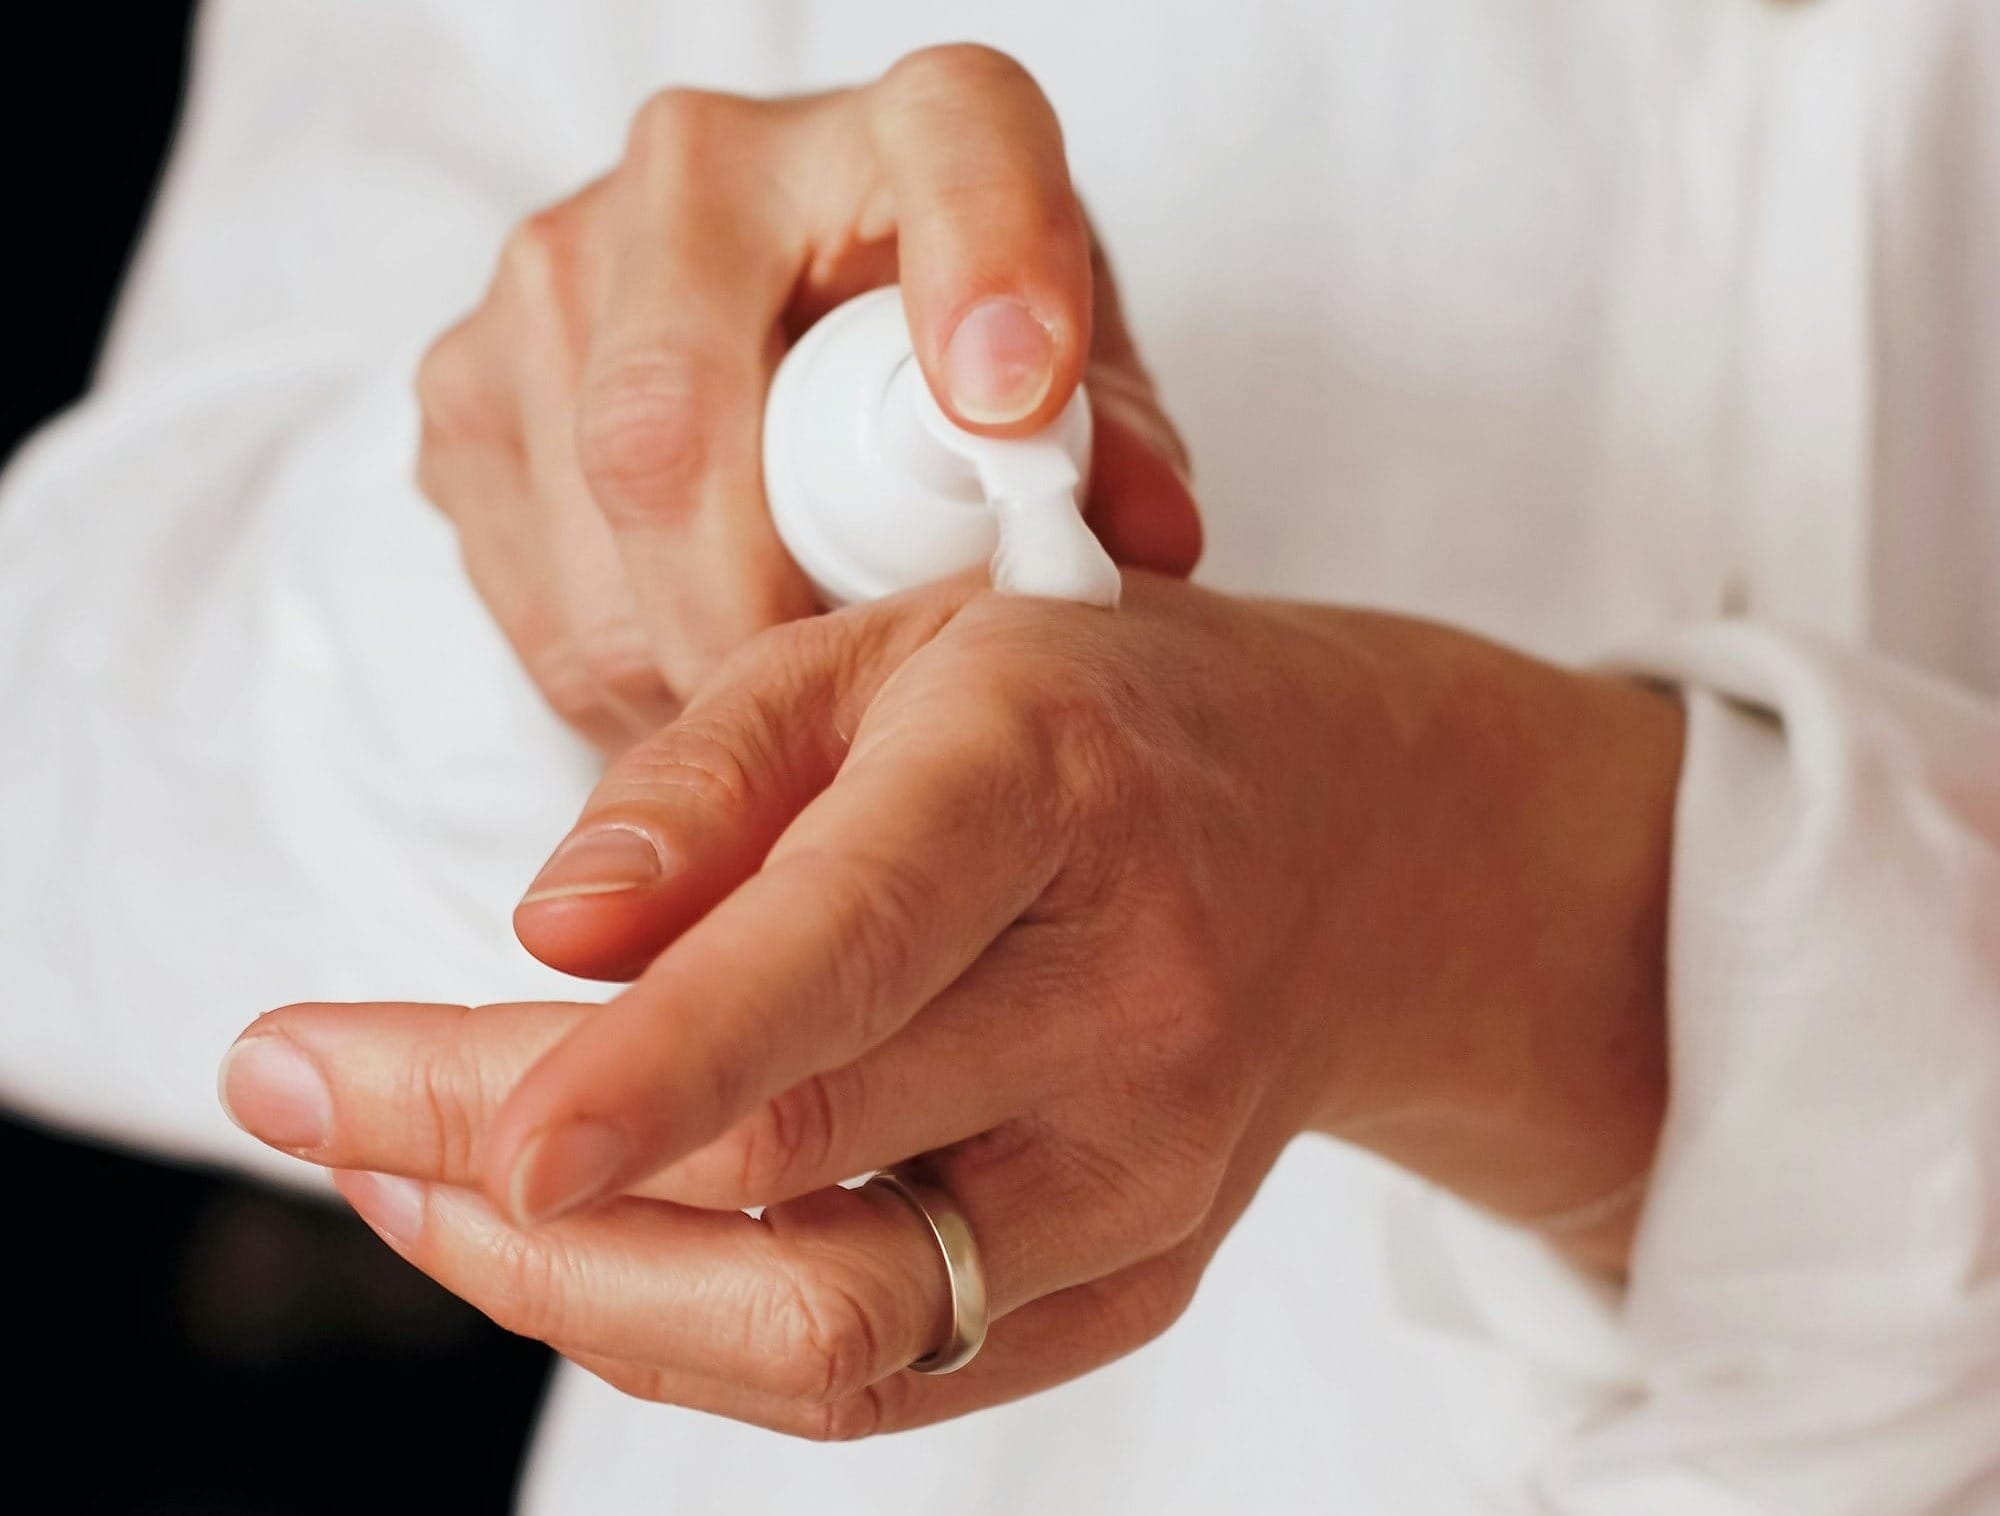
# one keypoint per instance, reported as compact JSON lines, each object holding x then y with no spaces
{"x":622,"y":667}
{"x":534,"y":1276}
{"x":1171,"y":1008}
{"x":642,"y":435}
{"x":787,"y":656}
{"x":450,"y":1125}
{"x":1182,"y":1207}
{"x":1159,"y":1184}
{"x":692,"y":763}
{"x":640,"y":1381}
{"x":450,"y":394}
{"x":784,"y":673}
{"x":1150,"y":1302}
{"x":950,"y":69}
{"x":683,"y":129}
{"x":849,"y":1419}
{"x":1099,"y":777}
{"x":1185,"y":1030}
{"x":536,"y":251}
{"x":826,"y":1338}
{"x":790,"y":1143}
{"x":562,"y":676}
{"x":1009,"y":757}
{"x":1058,"y":705}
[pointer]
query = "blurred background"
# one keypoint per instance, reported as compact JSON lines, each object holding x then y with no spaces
{"x":225,"y":1350}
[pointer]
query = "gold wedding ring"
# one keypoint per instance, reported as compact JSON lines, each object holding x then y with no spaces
{"x":961,"y":1265}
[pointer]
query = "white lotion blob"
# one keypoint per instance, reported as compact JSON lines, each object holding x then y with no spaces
{"x":1032,"y":484}
{"x":1047,"y":550}
{"x":873,"y":489}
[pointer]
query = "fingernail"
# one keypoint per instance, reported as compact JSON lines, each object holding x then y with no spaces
{"x":564,"y":1168}
{"x":391,"y":1204}
{"x":999,"y":363}
{"x":274,"y":1092}
{"x":604,"y":861}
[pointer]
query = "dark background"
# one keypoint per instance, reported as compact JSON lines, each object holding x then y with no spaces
{"x":172,"y":1342}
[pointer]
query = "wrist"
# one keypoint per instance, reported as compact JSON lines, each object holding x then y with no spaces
{"x":1489,"y":964}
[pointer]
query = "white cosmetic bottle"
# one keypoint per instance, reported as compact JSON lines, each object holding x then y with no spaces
{"x":874,"y":489}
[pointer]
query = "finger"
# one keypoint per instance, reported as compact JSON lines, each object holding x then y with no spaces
{"x":685,"y":817}
{"x":992,"y":251}
{"x":1045,"y":1344}
{"x":669,"y":416}
{"x":986,"y":1050}
{"x":1056,"y":1337}
{"x":396,"y":1088}
{"x":818,"y":1305}
{"x":412,"y":1089}
{"x":932,"y":841}
{"x":1139,"y":504}
{"x":545,"y":299}
{"x":1055,"y":1204}
{"x":472,"y":466}
{"x":811,"y":1302}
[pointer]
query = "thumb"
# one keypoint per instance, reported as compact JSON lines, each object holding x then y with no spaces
{"x":993,"y":251}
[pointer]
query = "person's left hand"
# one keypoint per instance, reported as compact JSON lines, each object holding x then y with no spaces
{"x":1096,"y":911}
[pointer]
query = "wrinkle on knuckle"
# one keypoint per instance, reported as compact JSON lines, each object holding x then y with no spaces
{"x":693,"y":763}
{"x":534,"y":1275}
{"x":790,"y":1143}
{"x":1009,"y":755}
{"x":1184,"y":1202}
{"x":826,"y":1338}
{"x":1086,"y":759}
{"x":644,"y":426}
{"x":793,"y":658}
{"x":849,"y":1419}
{"x":450,"y":1130}
{"x":1160,"y":1188}
{"x":1171,"y":1004}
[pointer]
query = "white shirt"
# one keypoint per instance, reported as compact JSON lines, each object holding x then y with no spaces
{"x":1657,"y":330}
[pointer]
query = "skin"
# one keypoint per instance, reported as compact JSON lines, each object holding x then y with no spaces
{"x":591,"y":430}
{"x":1097,"y":910}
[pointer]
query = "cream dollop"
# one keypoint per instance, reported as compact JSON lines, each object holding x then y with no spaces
{"x":1047,"y":549}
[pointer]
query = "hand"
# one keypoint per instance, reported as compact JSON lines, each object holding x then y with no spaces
{"x":1097,"y":911}
{"x":592,"y":428}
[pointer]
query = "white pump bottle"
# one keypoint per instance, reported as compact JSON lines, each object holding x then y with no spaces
{"x":874,"y":489}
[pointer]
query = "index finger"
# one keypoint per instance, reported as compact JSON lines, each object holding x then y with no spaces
{"x":932,"y":840}
{"x":702,"y":260}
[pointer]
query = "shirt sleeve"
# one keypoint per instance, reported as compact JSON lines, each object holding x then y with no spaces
{"x":261,"y":743}
{"x":1812,"y":1318}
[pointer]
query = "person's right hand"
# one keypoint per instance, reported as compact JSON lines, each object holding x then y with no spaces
{"x":592,"y":429}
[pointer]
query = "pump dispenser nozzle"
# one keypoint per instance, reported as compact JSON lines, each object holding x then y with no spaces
{"x":874,"y":489}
